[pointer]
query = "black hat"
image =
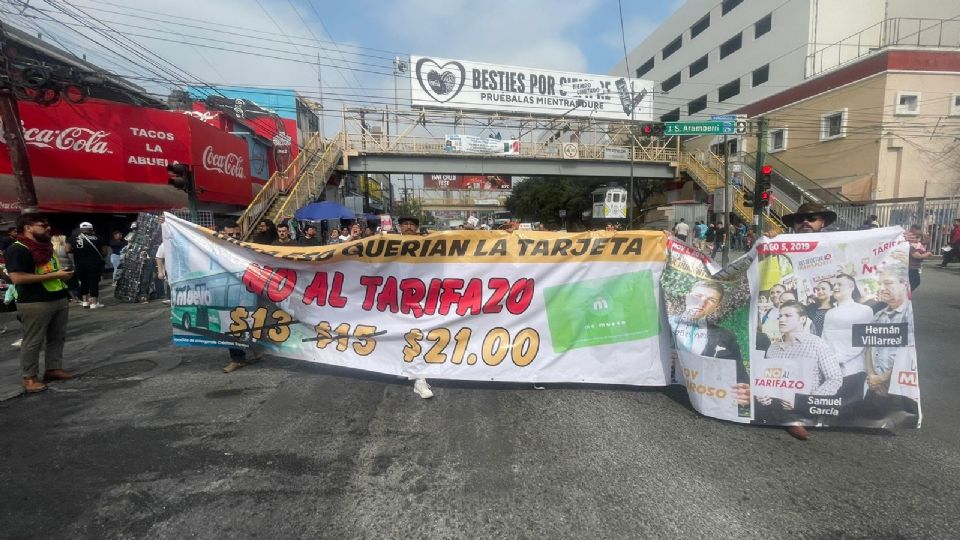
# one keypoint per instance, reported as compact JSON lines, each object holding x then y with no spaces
{"x":411,"y":219}
{"x":807,"y":209}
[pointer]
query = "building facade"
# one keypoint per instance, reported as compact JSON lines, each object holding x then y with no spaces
{"x":712,"y":57}
{"x":861,"y":96}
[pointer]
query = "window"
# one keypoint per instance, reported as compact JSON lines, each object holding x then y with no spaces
{"x":731,"y":46}
{"x":697,"y":105}
{"x":672,"y":47}
{"x":908,"y":103}
{"x":672,"y":116}
{"x":762,"y":26}
{"x":833,"y":125}
{"x":698,"y":66}
{"x":761,"y":75}
{"x":670,"y":83}
{"x":729,"y":90}
{"x":699,"y":26}
{"x":647,"y":66}
{"x":777,"y":141}
{"x":729,"y":5}
{"x":955,"y":105}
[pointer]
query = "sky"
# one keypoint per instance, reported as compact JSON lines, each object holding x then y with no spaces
{"x":218,"y":41}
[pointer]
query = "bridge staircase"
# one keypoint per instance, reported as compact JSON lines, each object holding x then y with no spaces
{"x":301,"y":183}
{"x":707,"y":172}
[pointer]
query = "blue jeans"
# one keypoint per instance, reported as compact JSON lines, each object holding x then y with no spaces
{"x":115,"y":263}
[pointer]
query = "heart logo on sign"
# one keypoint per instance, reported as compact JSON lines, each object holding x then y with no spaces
{"x":442,"y":83}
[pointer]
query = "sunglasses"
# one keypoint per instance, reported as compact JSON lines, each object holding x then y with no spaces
{"x":811,"y":218}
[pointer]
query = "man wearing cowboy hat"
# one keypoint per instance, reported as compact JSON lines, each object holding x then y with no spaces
{"x":810,"y":217}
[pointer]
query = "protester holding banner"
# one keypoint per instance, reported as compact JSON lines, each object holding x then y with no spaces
{"x":238,"y":357}
{"x":918,"y":253}
{"x":410,"y":226}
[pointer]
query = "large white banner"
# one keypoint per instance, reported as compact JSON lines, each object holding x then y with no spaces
{"x":812,"y":329}
{"x":485,"y":306}
{"x":462,"y":84}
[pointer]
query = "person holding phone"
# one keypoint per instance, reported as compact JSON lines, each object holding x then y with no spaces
{"x":42,"y":300}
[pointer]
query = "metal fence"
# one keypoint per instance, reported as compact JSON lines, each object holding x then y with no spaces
{"x":936,"y":216}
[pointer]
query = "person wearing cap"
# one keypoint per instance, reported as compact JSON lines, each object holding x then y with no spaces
{"x":409,"y":226}
{"x":809,"y":218}
{"x":87,"y":249}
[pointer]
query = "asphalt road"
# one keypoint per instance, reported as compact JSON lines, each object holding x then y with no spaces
{"x":156,"y":442}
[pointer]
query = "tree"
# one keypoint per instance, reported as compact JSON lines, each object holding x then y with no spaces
{"x":542,"y":198}
{"x":412,"y":207}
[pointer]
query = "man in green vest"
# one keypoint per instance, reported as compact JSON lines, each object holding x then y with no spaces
{"x":42,"y":300}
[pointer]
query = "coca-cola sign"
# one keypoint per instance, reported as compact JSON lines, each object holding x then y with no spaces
{"x":75,"y":139}
{"x":230,"y":164}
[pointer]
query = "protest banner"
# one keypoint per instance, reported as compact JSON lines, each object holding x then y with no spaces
{"x":471,"y":305}
{"x":633,"y":308}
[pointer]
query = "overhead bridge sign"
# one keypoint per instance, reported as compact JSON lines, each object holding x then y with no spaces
{"x":738,"y":127}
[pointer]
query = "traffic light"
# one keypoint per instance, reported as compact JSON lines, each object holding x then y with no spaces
{"x":652,"y":130}
{"x":181,"y":177}
{"x":763,"y":194}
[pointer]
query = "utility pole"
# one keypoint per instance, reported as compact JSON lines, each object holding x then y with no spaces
{"x":727,"y":203}
{"x":17,"y":147}
{"x":13,"y":135}
{"x":761,"y":147}
{"x":323,"y":110}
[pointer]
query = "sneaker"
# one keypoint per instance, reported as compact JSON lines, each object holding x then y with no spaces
{"x":84,"y":304}
{"x":422,"y":389}
{"x":17,"y":343}
{"x":232,"y":366}
{"x":165,"y":301}
{"x":96,"y":306}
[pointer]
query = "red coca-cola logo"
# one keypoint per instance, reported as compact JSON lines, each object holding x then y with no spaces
{"x":230,"y":164}
{"x":76,"y":139}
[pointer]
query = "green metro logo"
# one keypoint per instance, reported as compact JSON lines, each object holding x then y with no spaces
{"x":602,"y":311}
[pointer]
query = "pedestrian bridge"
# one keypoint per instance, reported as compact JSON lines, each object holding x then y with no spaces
{"x":436,"y":142}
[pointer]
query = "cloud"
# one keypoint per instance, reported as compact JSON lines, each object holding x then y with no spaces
{"x":529,"y":33}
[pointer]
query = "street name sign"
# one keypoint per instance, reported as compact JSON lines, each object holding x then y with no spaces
{"x":700,"y":128}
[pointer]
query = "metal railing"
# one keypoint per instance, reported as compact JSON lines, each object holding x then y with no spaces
{"x":278,"y":183}
{"x":893,"y":32}
{"x":312,"y":179}
{"x":935,"y":216}
{"x":376,"y":143}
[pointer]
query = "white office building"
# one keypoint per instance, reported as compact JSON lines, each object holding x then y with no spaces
{"x":712,"y":57}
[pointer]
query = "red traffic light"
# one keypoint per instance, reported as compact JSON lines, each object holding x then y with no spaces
{"x":647,"y":129}
{"x":765,"y":195}
{"x":766,"y":169}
